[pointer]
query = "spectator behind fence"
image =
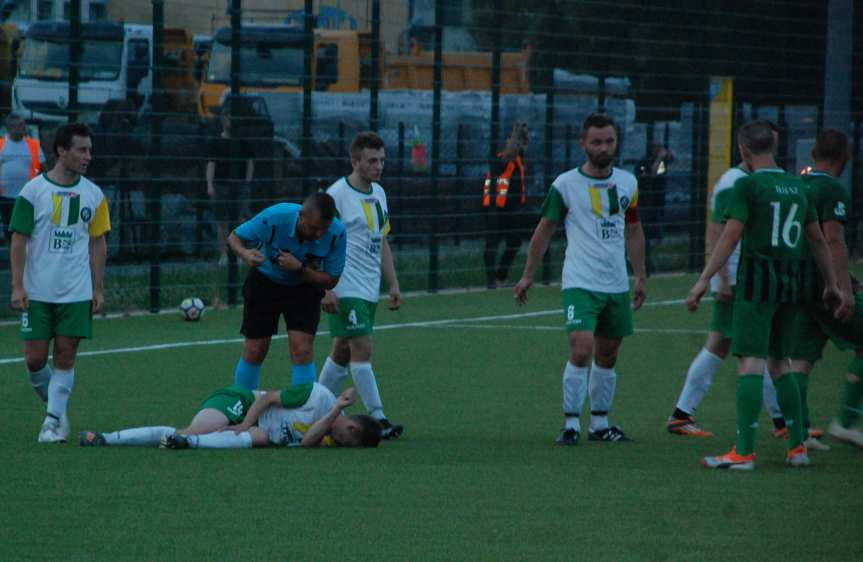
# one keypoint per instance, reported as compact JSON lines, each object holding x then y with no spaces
{"x":21,"y":159}
{"x":504,"y":195}
{"x":228,"y":181}
{"x":652,"y":175}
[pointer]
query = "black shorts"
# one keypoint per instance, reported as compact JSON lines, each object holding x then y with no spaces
{"x":265,"y":301}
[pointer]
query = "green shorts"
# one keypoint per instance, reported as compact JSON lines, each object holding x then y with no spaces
{"x":233,"y":401}
{"x":44,"y":320}
{"x":607,"y":315}
{"x":722,"y":319}
{"x":356,"y":317}
{"x":809,"y":338}
{"x":763,"y":329}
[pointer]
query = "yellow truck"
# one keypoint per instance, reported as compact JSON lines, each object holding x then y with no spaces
{"x":272,"y":61}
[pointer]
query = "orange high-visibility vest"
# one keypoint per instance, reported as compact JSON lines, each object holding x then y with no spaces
{"x":33,"y":145}
{"x":502,"y":184}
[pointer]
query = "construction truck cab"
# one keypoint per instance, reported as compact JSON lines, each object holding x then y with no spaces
{"x":271,"y":60}
{"x":116,"y":64}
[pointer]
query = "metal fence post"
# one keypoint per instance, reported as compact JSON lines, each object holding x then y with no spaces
{"x":547,"y":166}
{"x":155,"y":201}
{"x":236,"y":76}
{"x":375,"y":70}
{"x":309,"y":48}
{"x":74,"y":59}
{"x":436,"y":139}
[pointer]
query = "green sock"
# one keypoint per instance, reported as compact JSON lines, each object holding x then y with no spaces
{"x":802,"y":380}
{"x":788,"y":396}
{"x":749,"y":399}
{"x":852,"y":393}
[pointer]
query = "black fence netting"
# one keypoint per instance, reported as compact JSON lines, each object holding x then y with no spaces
{"x":447,"y":84}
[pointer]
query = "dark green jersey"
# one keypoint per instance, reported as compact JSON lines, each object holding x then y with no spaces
{"x":774,"y":208}
{"x":831,"y":203}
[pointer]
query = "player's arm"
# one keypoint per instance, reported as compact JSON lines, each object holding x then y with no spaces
{"x":17,"y":262}
{"x":834,"y":237}
{"x":250,"y":169}
{"x":731,"y":235}
{"x":635,"y":244}
{"x":252,"y":256}
{"x":332,"y":267}
{"x":98,"y":257}
{"x":724,"y":291}
{"x":841,"y":301}
{"x":261,"y":403}
{"x":388,"y":268}
{"x":539,"y":243}
{"x":321,"y":428}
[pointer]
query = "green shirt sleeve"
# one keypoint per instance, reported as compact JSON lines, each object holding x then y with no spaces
{"x":722,"y":198}
{"x":553,"y":208}
{"x":23,"y":217}
{"x":296,"y":395}
{"x":737,"y":206}
{"x":835,"y":205}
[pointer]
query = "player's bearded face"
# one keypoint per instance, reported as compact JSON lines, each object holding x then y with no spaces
{"x":600,"y":146}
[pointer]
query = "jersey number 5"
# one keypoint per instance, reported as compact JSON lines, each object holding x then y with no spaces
{"x":791,"y":229}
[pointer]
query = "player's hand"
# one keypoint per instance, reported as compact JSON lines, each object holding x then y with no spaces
{"x":98,"y":301}
{"x":330,"y":303}
{"x":253,"y":257}
{"x":288,"y":262}
{"x":395,"y":298}
{"x":840,"y":302}
{"x":639,"y":293}
{"x":19,"y":299}
{"x":695,"y":293}
{"x":346,"y":398}
{"x":521,"y":288}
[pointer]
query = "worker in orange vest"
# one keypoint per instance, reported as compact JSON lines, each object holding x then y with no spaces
{"x":504,"y":195}
{"x":21,"y":159}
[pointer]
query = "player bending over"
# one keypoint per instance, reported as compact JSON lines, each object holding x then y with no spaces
{"x":305,"y":415}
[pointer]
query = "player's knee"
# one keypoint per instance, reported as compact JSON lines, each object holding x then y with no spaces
{"x":255,"y":352}
{"x":300,"y":355}
{"x":35,"y":361}
{"x":361,"y":349}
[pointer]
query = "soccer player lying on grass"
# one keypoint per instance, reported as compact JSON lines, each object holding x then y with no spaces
{"x":305,"y":415}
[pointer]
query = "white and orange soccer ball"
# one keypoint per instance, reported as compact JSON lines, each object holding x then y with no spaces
{"x":192,"y":308}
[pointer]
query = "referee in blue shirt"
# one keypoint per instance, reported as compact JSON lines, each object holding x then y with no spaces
{"x":295,"y":252}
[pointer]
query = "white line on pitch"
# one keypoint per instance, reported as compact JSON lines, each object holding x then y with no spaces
{"x":421,"y":324}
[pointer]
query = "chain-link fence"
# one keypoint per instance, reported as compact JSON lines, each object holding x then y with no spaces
{"x":443,"y":82}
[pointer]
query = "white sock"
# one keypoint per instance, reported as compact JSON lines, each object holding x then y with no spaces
{"x":333,"y":376}
{"x":139,"y":435}
{"x":59,"y":389}
{"x":221,"y":440}
{"x":574,"y":393}
{"x":770,"y":401}
{"x":367,"y":386}
{"x":699,"y":377}
{"x":40,"y":380}
{"x":601,"y":388}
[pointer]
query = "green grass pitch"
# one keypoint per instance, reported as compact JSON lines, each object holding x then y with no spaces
{"x":477,"y":382}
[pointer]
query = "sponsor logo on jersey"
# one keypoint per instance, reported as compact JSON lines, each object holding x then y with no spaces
{"x":624,"y":202}
{"x":607,"y":230}
{"x":86,"y":214}
{"x":62,"y":241}
{"x":839,"y":211}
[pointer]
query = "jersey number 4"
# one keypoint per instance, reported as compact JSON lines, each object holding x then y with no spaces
{"x":791,"y":229}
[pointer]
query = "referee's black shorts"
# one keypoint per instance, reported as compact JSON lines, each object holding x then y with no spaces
{"x":266,"y":300}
